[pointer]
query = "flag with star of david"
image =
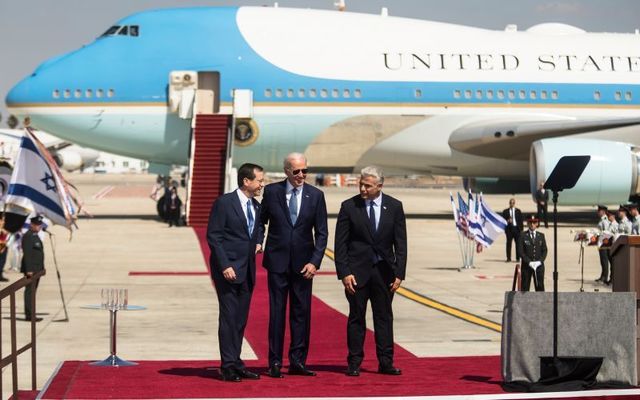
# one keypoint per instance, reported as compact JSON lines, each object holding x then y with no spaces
{"x":38,"y":186}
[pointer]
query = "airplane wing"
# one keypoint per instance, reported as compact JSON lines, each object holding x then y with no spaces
{"x":52,"y":143}
{"x":511,"y":138}
{"x":11,"y":133}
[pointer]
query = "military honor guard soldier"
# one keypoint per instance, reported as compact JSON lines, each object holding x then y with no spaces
{"x":32,"y":262}
{"x":533,"y":248}
{"x":603,"y":251}
{"x":635,"y":219}
{"x":624,"y":225}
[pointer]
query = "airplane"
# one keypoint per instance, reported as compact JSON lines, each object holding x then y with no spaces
{"x":68,"y":156}
{"x":349,"y":89}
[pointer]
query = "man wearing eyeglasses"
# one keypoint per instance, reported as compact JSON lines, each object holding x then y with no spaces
{"x":296,"y":214}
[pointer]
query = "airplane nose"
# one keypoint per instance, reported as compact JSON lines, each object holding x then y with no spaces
{"x":19,"y":94}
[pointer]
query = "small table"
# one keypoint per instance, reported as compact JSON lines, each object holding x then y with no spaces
{"x":113,"y":360}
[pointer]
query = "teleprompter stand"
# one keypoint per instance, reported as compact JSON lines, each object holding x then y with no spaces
{"x":565,"y":371}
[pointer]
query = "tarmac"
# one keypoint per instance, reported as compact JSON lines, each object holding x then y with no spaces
{"x":179,"y":321}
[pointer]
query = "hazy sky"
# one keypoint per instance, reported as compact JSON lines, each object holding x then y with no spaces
{"x":32,"y":31}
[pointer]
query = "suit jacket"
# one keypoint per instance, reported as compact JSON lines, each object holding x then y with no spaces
{"x":33,"y":253}
{"x":289,"y":245}
{"x":506,"y":215}
{"x":356,"y":245}
{"x":229,"y":239}
{"x":532,"y":249}
{"x":542,"y":197}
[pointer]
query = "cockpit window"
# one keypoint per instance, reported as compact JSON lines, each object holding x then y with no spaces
{"x":111,"y":31}
{"x":123,"y":30}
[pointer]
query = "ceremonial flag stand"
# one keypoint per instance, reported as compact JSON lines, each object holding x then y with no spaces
{"x":557,"y":370}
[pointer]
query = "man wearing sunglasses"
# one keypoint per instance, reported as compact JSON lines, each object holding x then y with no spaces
{"x":296,"y":213}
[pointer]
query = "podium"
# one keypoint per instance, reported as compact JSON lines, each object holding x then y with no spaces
{"x":625,"y":266}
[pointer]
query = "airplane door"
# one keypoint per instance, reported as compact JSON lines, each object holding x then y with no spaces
{"x":208,"y":93}
{"x":194,"y":93}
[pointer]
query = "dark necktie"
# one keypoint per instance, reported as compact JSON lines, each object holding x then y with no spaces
{"x":250,"y":219}
{"x":372,"y":216}
{"x":293,"y":206}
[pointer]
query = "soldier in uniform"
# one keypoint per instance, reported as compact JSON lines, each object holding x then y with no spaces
{"x":533,"y":249}
{"x":32,"y":262}
{"x":603,"y":226}
{"x":624,"y":225}
{"x":635,"y":219}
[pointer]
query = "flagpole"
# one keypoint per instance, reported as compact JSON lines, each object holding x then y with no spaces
{"x":55,"y":262}
{"x":456,"y":221}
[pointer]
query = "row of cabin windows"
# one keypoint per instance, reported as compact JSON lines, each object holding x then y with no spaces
{"x":506,"y":94}
{"x":313,"y":93}
{"x":522,"y":94}
{"x":78,"y":93}
{"x":617,"y":96}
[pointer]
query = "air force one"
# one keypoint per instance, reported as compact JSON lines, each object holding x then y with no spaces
{"x":350,"y":89}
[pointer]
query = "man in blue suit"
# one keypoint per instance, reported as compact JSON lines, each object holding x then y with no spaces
{"x":235,"y":235}
{"x":296,"y":213}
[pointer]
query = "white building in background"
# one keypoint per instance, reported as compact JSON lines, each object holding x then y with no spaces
{"x":108,"y":163}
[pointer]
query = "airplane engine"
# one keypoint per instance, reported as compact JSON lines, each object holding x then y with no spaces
{"x":495,"y":185}
{"x":611,"y":177}
{"x":68,"y":160}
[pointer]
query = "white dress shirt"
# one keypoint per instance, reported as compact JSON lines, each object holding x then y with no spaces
{"x":243,"y":202}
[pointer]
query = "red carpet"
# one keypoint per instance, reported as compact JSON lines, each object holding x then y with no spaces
{"x":199,"y":379}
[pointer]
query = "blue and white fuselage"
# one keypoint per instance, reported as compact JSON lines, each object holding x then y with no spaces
{"x":349,"y":89}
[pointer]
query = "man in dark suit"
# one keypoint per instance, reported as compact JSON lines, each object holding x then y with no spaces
{"x":235,"y":235}
{"x":296,"y":213}
{"x":371,"y":258}
{"x":533,"y":248}
{"x":542,"y":203}
{"x":513,"y":216}
{"x":32,"y":262}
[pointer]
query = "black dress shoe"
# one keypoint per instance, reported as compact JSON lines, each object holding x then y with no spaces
{"x":352,"y":370}
{"x":37,"y":319}
{"x":299,"y":369}
{"x":389,"y":370}
{"x":3,"y":279}
{"x":600,"y":279}
{"x":246,"y":374}
{"x":230,"y":375}
{"x":274,"y":371}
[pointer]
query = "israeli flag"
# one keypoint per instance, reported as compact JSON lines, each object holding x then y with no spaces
{"x":491,"y":224}
{"x":34,"y":186}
